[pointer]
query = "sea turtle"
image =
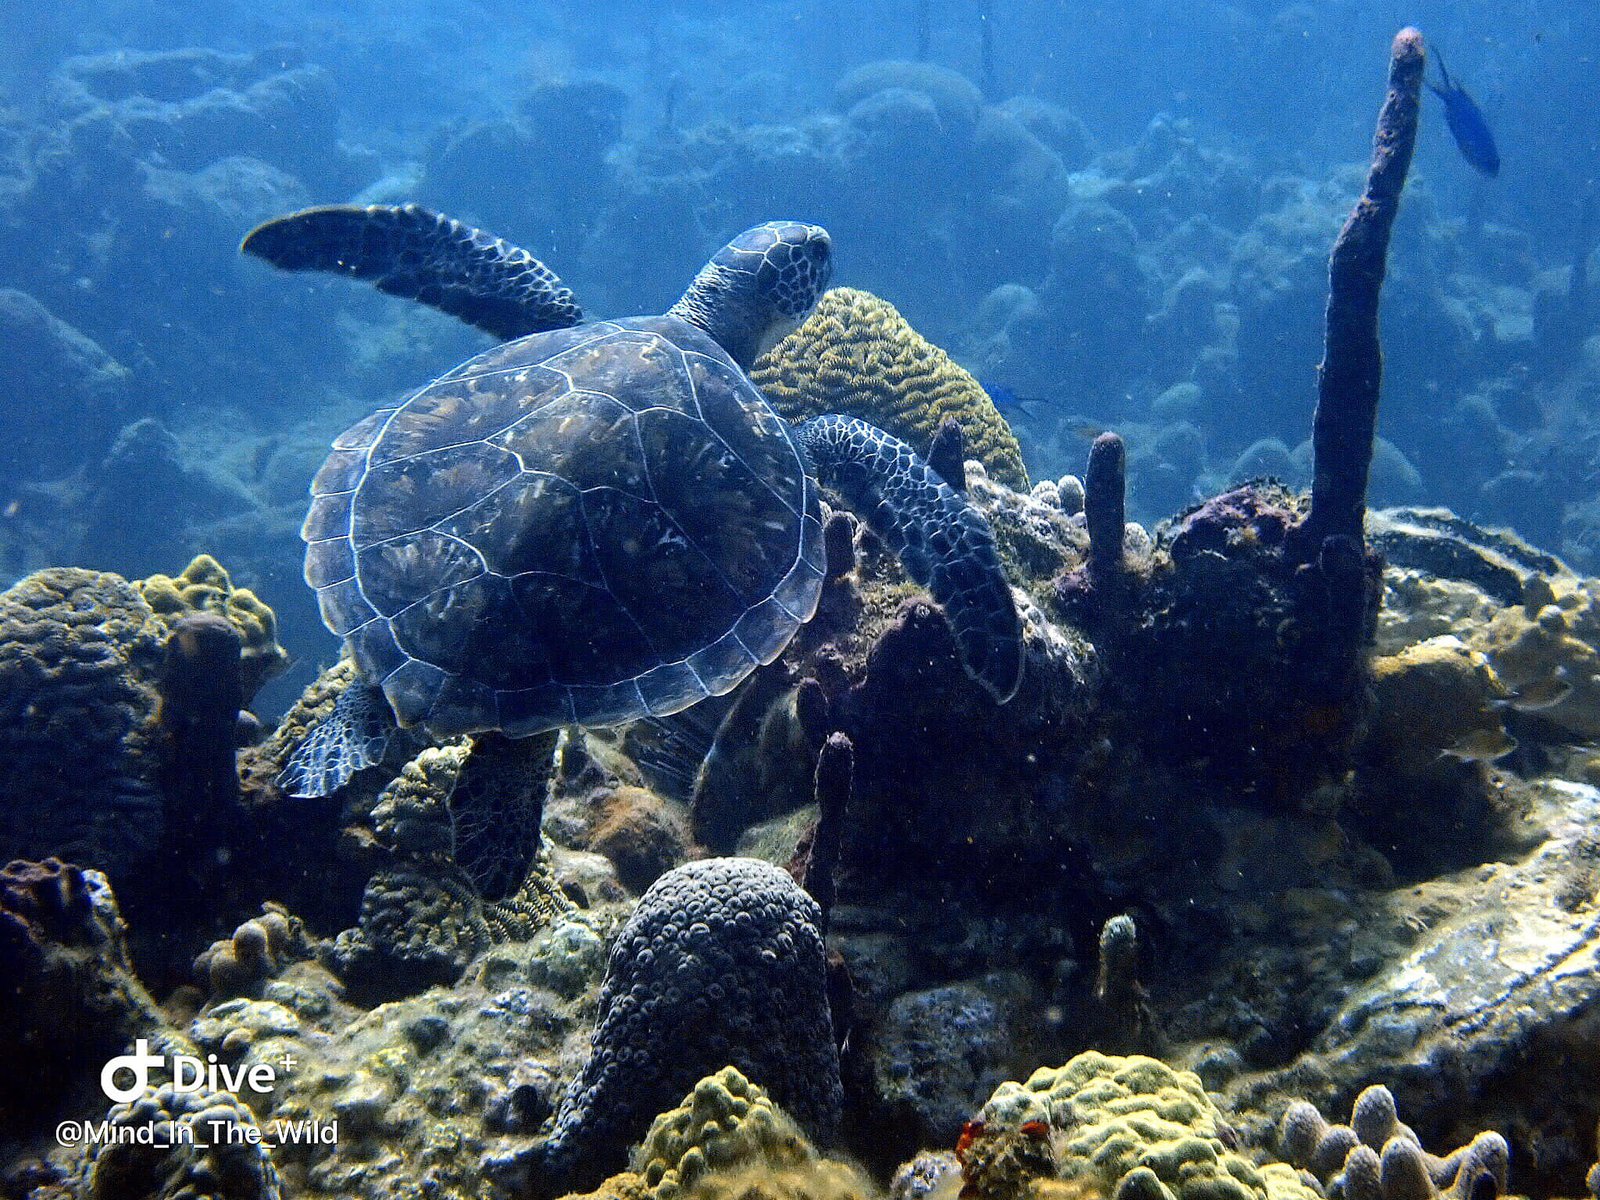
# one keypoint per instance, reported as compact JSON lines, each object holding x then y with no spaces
{"x":594,"y":522}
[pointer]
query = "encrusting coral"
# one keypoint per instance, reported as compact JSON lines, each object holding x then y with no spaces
{"x":223,"y":1157}
{"x":70,"y":997}
{"x":856,"y":354}
{"x":721,"y":963}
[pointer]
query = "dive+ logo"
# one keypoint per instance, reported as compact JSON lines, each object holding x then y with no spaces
{"x":189,"y":1074}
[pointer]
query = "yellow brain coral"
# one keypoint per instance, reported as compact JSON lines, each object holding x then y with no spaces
{"x":729,"y":1141}
{"x":1129,"y":1128}
{"x":857,"y":355}
{"x":205,"y":586}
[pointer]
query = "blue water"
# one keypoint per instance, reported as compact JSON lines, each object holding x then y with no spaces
{"x":1164,"y":179}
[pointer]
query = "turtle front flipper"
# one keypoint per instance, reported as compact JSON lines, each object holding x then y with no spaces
{"x":416,"y":254}
{"x":354,"y":736}
{"x":943,"y":542}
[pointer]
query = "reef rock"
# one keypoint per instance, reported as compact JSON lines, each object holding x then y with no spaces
{"x":66,"y":396}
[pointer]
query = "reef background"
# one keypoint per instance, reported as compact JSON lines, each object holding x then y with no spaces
{"x":1120,"y":210}
{"x":1292,"y":813}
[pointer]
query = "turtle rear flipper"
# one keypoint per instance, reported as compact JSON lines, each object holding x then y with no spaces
{"x":355,"y":736}
{"x":416,"y":254}
{"x":942,"y":541}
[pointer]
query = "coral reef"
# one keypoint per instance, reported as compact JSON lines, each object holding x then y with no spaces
{"x":1375,"y":1157}
{"x":141,"y":686}
{"x":856,"y":354}
{"x":71,"y":999}
{"x":728,"y":1139}
{"x":222,"y":1157}
{"x":457,"y":835}
{"x":204,"y":587}
{"x":80,"y":654}
{"x":721,"y":963}
{"x":258,"y":949}
{"x":1125,"y":1127}
{"x":938,"y":1053}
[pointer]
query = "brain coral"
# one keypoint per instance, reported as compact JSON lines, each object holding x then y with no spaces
{"x":857,"y":355}
{"x":80,"y":654}
{"x":721,"y":963}
{"x":1130,"y":1128}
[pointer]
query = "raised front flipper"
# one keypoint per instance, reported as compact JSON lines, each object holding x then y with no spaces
{"x":943,"y":542}
{"x":411,"y":252}
{"x":354,"y":736}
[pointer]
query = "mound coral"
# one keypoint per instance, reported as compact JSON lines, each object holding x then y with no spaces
{"x":459,"y":827}
{"x":1132,"y":1128}
{"x":728,"y":1139}
{"x":80,"y":654}
{"x":139,"y":685}
{"x":721,"y":963}
{"x":856,"y":354}
{"x":222,"y":1158}
{"x":239,"y":965}
{"x":204,"y":586}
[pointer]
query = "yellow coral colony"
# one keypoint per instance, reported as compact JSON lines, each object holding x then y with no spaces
{"x":205,"y":586}
{"x":857,"y":355}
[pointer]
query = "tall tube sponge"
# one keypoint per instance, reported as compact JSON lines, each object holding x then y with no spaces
{"x":1351,"y":374}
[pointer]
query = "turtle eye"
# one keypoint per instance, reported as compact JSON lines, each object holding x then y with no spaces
{"x":795,"y":274}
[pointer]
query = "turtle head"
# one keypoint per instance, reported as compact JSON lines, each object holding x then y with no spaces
{"x":759,"y":287}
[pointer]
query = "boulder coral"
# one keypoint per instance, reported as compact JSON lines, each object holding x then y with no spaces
{"x":856,"y":354}
{"x":80,"y":653}
{"x":225,"y":1157}
{"x":728,"y":1139}
{"x":721,"y":963}
{"x":109,"y":674}
{"x":456,"y":834}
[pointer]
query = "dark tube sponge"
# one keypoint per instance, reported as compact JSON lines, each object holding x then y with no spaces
{"x":1352,"y":361}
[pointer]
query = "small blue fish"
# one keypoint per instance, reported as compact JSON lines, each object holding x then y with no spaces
{"x":1467,"y":124}
{"x":1012,"y":405}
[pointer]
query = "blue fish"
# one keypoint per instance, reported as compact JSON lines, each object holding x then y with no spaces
{"x":1012,"y":405}
{"x":1467,"y":124}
